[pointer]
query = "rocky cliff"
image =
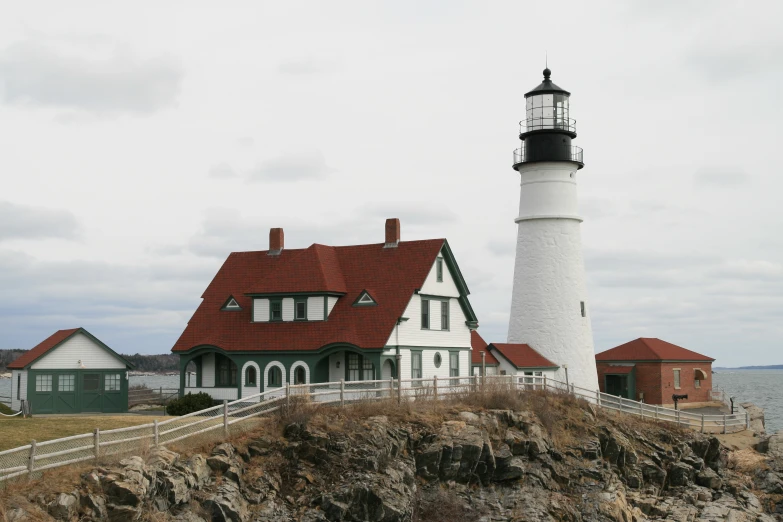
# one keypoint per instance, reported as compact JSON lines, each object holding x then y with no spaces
{"x":546,"y":458}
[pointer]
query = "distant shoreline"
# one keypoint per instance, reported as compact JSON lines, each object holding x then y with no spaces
{"x":771,"y":367}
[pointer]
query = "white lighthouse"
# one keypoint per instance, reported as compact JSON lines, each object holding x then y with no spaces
{"x":549,"y":306}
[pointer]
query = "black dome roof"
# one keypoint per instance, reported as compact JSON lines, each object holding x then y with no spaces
{"x":547,"y":87}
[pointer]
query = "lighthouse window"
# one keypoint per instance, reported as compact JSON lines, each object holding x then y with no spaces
{"x":582,"y":306}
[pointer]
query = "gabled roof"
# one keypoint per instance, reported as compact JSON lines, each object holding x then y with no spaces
{"x":650,"y":349}
{"x":52,"y":342}
{"x":393,"y":274}
{"x":480,"y":345}
{"x":522,"y":356}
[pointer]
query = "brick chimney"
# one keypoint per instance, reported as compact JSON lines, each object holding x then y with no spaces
{"x":276,"y":240}
{"x":392,"y":233}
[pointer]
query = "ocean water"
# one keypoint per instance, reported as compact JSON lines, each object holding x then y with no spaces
{"x":761,"y":387}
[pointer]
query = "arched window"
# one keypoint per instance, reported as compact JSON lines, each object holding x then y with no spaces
{"x":275,"y":377}
{"x":300,"y":376}
{"x":250,"y":376}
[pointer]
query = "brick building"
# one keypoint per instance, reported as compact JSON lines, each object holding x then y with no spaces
{"x":653,"y":370}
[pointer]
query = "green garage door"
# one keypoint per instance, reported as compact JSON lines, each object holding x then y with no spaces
{"x":42,"y":393}
{"x":102,"y":392}
{"x":65,"y":393}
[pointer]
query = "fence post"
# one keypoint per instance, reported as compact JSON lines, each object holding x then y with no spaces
{"x":702,"y":423}
{"x":31,"y":459}
{"x":656,"y":412}
{"x":641,"y":409}
{"x":678,"y":417}
{"x":342,"y":392}
{"x":435,"y":386}
{"x":391,"y":388}
{"x":545,"y":383}
{"x":155,"y":431}
{"x":724,"y":423}
{"x":96,"y":442}
{"x":597,"y":397}
{"x":399,"y":389}
{"x":225,"y":417}
{"x":161,"y":393}
{"x":288,"y":395}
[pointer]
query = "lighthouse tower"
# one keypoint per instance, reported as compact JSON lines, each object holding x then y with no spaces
{"x":549,"y":307}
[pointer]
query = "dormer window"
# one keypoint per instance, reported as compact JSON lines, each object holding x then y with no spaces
{"x":300,"y":310}
{"x":275,"y":310}
{"x":231,"y":305}
{"x":364,"y":299}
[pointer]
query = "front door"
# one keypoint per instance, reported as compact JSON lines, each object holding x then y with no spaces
{"x":617,"y":385}
{"x":92,"y":392}
{"x":42,"y":400}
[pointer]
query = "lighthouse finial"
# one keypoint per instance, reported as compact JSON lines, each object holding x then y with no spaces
{"x":547,"y":72}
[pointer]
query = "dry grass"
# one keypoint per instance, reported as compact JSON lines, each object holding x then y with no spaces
{"x":17,"y":431}
{"x":747,"y":460}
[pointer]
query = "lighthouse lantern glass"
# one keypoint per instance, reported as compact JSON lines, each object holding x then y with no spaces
{"x":547,"y":111}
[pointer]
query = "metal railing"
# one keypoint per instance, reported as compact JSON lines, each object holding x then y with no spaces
{"x":577,"y":155}
{"x":547,"y":123}
{"x":243,"y":414}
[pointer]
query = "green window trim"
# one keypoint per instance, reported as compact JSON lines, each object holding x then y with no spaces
{"x":275,"y":310}
{"x":303,"y":302}
{"x":444,"y":315}
{"x":425,"y":314}
{"x":225,"y":372}
{"x":274,"y":377}
{"x":453,"y":364}
{"x":416,"y":365}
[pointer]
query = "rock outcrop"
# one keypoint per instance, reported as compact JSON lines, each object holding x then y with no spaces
{"x":491,"y":465}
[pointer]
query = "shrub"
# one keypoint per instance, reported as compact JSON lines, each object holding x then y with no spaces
{"x":190,"y":403}
{"x":5,"y":410}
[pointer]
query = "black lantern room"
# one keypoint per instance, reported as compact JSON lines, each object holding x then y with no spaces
{"x":547,"y":131}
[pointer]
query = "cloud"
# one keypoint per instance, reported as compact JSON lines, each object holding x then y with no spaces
{"x":301,"y":66}
{"x":146,"y":306}
{"x":413,"y":214}
{"x":25,"y":222}
{"x":291,"y":167}
{"x":502,"y":248}
{"x":98,"y":79}
{"x":222,"y":171}
{"x":721,"y":177}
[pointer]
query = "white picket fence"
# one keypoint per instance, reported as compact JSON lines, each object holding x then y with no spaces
{"x":40,"y":456}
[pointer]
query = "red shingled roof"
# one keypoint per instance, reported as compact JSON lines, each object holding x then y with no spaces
{"x":41,"y":348}
{"x":480,"y":345}
{"x":394,"y":274}
{"x":650,"y":349}
{"x":522,"y":355}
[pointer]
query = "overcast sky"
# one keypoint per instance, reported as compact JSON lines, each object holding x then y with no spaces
{"x":140,"y":144}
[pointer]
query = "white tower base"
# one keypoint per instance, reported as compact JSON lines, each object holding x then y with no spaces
{"x":549,"y":307}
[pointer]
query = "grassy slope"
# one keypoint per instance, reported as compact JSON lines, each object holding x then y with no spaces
{"x":17,"y":431}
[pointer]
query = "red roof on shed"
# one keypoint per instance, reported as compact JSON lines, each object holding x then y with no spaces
{"x":480,"y":345}
{"x":650,"y":349}
{"x":41,"y":348}
{"x":522,"y":355}
{"x":394,"y":274}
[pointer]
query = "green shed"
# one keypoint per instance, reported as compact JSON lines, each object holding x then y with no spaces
{"x":70,"y":372}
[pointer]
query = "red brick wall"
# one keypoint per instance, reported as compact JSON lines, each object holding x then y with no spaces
{"x":687,"y":377}
{"x":656,"y":381}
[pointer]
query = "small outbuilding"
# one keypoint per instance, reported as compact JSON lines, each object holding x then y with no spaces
{"x":70,"y":372}
{"x":652,"y":370}
{"x":482,"y":361}
{"x":523,"y":361}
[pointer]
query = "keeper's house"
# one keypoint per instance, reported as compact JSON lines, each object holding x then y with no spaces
{"x":70,"y":372}
{"x":652,"y":370}
{"x":322,"y":314}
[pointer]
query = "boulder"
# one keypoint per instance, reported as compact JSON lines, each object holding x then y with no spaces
{"x":122,"y":513}
{"x":507,"y":466}
{"x":652,"y":473}
{"x":680,"y":474}
{"x":774,"y":445}
{"x":227,"y":504}
{"x":616,"y":448}
{"x":709,"y":479}
{"x":161,"y":458}
{"x":95,"y":506}
{"x":64,"y":506}
{"x":756,"y":417}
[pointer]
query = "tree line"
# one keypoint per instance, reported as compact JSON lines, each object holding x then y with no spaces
{"x":144,"y":363}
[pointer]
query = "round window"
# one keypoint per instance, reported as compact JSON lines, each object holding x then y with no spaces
{"x":437,"y":360}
